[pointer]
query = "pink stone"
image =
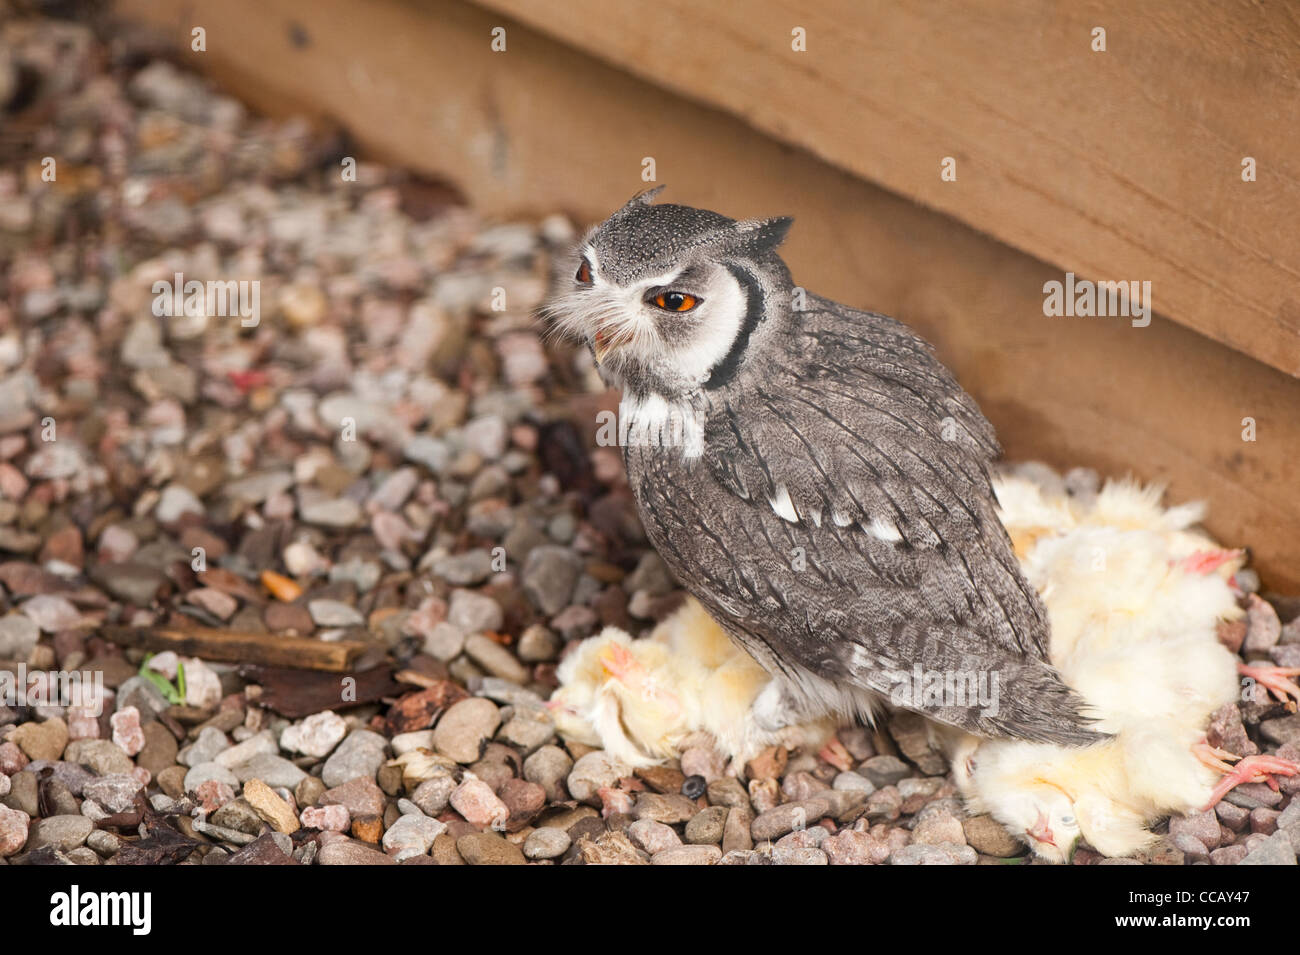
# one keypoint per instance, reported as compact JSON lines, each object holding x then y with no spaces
{"x":12,"y":759}
{"x":212,"y":794}
{"x":221,"y":605}
{"x":127,"y":733}
{"x":475,"y":800}
{"x":614,"y":800}
{"x":332,"y":818}
{"x":12,"y":483}
{"x":391,"y":530}
{"x":116,"y":544}
{"x":13,"y":830}
{"x":82,"y":724}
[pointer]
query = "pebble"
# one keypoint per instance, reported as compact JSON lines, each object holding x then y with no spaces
{"x":62,"y":832}
{"x":115,"y":792}
{"x":433,"y":795}
{"x":412,"y":834}
{"x":688,"y":855}
{"x":488,"y":848}
{"x":549,"y":767}
{"x":1276,"y":849}
{"x":331,"y":818}
{"x":475,"y":800}
{"x":334,"y":613}
{"x":14,"y":826}
{"x":549,"y":576}
{"x":351,"y":852}
{"x":18,"y":634}
{"x":474,"y":612}
{"x":925,"y":854}
{"x":360,"y":796}
{"x":495,"y":659}
{"x":45,"y":740}
{"x":465,"y":727}
{"x":316,"y":735}
{"x":594,"y":771}
{"x":653,"y":837}
{"x":361,"y":754}
{"x":127,"y":734}
{"x":544,"y":843}
{"x":101,"y":756}
{"x":988,"y":837}
{"x":273,"y":810}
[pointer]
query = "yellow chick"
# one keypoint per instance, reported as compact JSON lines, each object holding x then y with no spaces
{"x":642,"y":699}
{"x":1135,"y":594}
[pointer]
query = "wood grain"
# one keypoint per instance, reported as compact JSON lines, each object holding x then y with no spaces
{"x":234,"y":646}
{"x":1116,"y":165}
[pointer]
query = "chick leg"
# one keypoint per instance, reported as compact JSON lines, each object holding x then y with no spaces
{"x":1219,"y":760}
{"x":837,"y":755}
{"x":1274,"y":679}
{"x":1252,"y":769}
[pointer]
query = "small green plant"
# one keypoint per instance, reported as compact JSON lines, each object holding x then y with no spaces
{"x":172,"y":693}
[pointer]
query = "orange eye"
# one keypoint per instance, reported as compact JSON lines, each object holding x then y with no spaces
{"x":676,"y":301}
{"x":584,"y":273}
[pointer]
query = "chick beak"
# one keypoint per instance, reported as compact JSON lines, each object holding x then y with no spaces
{"x":1041,"y":832}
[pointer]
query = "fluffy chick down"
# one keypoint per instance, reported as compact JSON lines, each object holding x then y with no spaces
{"x":643,"y":699}
{"x":1135,"y":594}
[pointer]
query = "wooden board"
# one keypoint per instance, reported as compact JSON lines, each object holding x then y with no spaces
{"x":541,"y":128}
{"x":1117,"y":165}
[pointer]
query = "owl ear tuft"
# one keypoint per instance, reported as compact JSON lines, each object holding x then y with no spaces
{"x":643,"y":198}
{"x":756,"y":236}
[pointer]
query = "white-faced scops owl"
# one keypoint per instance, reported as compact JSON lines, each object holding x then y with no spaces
{"x":814,"y":476}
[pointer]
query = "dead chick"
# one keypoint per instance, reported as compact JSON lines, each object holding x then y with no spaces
{"x":642,"y":700}
{"x":1134,"y":593}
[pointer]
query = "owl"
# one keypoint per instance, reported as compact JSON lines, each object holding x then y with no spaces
{"x":815,"y":477}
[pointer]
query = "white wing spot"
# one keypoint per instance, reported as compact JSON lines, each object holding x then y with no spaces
{"x":883,"y":530}
{"x":841,"y":520}
{"x":783,"y":506}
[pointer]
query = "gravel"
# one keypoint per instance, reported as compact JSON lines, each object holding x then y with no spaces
{"x":384,"y":459}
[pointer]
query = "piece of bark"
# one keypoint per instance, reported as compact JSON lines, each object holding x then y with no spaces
{"x":297,"y":693}
{"x":236,"y":646}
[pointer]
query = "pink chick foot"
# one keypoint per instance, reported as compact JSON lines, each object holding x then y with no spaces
{"x":1274,"y":679}
{"x":1252,"y":769}
{"x":835,"y":754}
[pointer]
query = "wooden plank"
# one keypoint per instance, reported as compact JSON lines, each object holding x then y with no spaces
{"x":295,"y":693}
{"x":1116,"y":165}
{"x":541,"y":128}
{"x":235,"y":646}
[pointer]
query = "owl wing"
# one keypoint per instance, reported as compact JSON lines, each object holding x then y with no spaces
{"x":862,"y":528}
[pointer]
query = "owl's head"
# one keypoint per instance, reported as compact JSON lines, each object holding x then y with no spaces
{"x":668,"y":298}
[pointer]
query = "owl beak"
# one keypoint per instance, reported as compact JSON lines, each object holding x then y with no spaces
{"x":601,"y":345}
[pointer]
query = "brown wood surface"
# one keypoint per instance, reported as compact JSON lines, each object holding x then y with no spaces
{"x":1117,"y":165}
{"x":234,"y":646}
{"x":542,"y":127}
